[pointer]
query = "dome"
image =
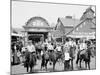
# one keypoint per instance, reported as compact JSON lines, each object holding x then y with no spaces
{"x":37,"y":22}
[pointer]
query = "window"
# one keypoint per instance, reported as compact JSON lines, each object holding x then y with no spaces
{"x":37,"y":23}
{"x":34,"y":23}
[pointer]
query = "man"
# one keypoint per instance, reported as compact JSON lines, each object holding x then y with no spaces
{"x":31,"y":47}
{"x":58,"y":48}
{"x":69,"y":44}
{"x":50,"y":48}
{"x":82,"y":46}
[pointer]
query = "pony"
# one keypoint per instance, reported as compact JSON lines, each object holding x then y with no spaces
{"x":30,"y":61}
{"x":85,"y":55}
{"x":53,"y":57}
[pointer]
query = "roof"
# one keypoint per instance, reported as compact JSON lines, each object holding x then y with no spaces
{"x":16,"y":30}
{"x":65,"y":25}
{"x":90,"y":15}
{"x":60,"y":27}
{"x":88,"y":9}
{"x":69,"y":22}
{"x":36,"y":21}
{"x":67,"y":30}
{"x":14,"y":34}
{"x":57,"y":34}
{"x":83,"y":27}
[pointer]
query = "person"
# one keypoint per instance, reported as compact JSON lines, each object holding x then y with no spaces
{"x":29,"y":50}
{"x":82,"y":46}
{"x":19,"y":56}
{"x":23,"y":50}
{"x":70,"y":43}
{"x":50,"y":47}
{"x":58,"y":48}
{"x":67,"y":60}
{"x":31,"y":47}
{"x":16,"y":59}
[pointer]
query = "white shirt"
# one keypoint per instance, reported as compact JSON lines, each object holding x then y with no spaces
{"x":15,"y":47}
{"x":50,"y":47}
{"x":67,"y":57}
{"x":41,"y":52}
{"x":23,"y":49}
{"x":31,"y":48}
{"x":83,"y":46}
{"x":70,"y":43}
{"x":18,"y":54}
{"x":66,"y":46}
{"x":58,"y":48}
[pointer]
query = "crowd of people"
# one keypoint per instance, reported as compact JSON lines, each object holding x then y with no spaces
{"x":18,"y":50}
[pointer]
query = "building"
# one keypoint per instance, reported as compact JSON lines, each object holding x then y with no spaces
{"x":37,"y":29}
{"x":16,"y":34}
{"x":64,"y":26}
{"x":84,"y":27}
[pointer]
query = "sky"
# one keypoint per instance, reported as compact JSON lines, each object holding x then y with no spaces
{"x":22,"y":11}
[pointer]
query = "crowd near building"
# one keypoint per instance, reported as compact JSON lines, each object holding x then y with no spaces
{"x":38,"y":29}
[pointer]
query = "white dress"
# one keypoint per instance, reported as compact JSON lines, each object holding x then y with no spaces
{"x":83,"y":46}
{"x":67,"y":56}
{"x":58,"y":48}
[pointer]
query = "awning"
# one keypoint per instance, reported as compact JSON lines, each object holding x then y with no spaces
{"x":19,"y":35}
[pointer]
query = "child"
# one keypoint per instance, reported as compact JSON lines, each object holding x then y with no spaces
{"x":67,"y":60}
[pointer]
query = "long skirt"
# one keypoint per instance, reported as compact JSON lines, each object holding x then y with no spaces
{"x":66,"y":64}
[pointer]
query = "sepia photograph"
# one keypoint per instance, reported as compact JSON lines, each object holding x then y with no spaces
{"x":52,"y":37}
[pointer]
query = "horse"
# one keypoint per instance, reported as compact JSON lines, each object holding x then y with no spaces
{"x":30,"y":61}
{"x":85,"y":55}
{"x":53,"y":57}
